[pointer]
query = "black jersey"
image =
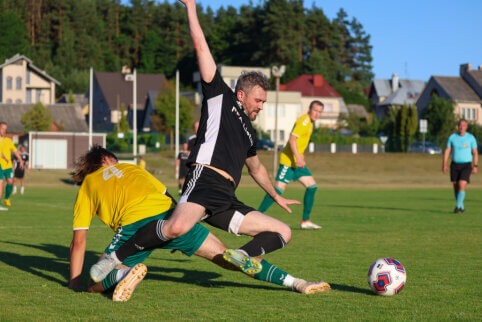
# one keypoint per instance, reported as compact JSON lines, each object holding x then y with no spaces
{"x":225,"y":137}
{"x":182,"y":156}
{"x":24,"y":157}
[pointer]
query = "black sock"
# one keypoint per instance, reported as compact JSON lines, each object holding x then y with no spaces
{"x":149,"y":236}
{"x":264,"y":243}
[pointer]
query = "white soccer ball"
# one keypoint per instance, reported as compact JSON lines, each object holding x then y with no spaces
{"x":387,"y":276}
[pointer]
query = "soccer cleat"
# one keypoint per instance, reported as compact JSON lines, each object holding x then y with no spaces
{"x":308,"y":225}
{"x":123,"y":291}
{"x":305,"y":287}
{"x":103,"y":267}
{"x":461,"y":210}
{"x":14,"y":191}
{"x":457,"y":210}
{"x":22,"y":190}
{"x":245,"y":263}
{"x":7,"y":202}
{"x":3,"y":208}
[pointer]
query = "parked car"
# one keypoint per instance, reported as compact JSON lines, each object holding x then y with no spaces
{"x":265,"y":144}
{"x":418,"y":147}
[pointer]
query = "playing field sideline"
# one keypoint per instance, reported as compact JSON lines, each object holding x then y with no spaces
{"x":440,"y":250}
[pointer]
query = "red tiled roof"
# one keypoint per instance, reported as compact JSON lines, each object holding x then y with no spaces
{"x":310,"y":85}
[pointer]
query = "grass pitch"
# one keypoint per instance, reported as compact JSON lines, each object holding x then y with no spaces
{"x":440,"y":251}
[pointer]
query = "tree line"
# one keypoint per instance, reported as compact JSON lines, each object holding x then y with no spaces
{"x":67,"y":37}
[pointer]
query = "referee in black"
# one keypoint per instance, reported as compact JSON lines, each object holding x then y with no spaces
{"x":226,"y":141}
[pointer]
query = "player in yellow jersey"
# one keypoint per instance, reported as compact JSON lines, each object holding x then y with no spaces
{"x":293,"y":166}
{"x":6,"y":149}
{"x":128,"y":198}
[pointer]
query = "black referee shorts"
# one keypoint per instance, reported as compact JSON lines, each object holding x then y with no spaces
{"x":214,"y":192}
{"x":460,"y":171}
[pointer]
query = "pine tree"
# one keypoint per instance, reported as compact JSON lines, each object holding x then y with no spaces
{"x":37,"y":119}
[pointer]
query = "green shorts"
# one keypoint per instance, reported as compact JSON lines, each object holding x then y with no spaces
{"x":6,"y":173}
{"x":188,"y":243}
{"x":286,"y":174}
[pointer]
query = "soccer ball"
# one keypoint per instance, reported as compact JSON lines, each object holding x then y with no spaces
{"x":387,"y":276}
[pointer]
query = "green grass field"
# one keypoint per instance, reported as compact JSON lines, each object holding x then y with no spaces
{"x":441,"y":252}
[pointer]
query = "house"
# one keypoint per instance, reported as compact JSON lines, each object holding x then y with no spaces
{"x":387,"y":94}
{"x":111,"y":90}
{"x":465,"y":91}
{"x":315,"y":87}
{"x":21,"y":82}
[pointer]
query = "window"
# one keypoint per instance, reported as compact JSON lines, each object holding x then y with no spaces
{"x":27,"y":77}
{"x":18,"y":101}
{"x":19,"y":82}
{"x":29,"y":95}
{"x":328,"y":108}
{"x":39,"y":91}
{"x":474,"y":114}
{"x":9,"y":82}
{"x":463,"y":113}
{"x":9,"y":101}
{"x":282,"y":135}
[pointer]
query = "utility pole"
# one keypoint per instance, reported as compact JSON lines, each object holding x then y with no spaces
{"x":91,"y":103}
{"x":277,"y":73}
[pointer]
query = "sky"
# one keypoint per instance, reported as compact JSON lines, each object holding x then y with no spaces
{"x":413,"y":38}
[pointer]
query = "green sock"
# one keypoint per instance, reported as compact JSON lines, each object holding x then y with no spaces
{"x":268,"y":201}
{"x":308,"y":201}
{"x":273,"y":274}
{"x":8,"y":190}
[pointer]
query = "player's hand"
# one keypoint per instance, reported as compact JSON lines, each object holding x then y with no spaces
{"x":284,"y":203}
{"x":444,"y":169}
{"x":300,"y":163}
{"x":21,"y":166}
{"x":186,"y":2}
{"x":74,"y":284}
{"x":474,"y":169}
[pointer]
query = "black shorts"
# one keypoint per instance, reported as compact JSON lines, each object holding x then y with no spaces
{"x":460,"y":171}
{"x":182,"y":170}
{"x":215,"y":193}
{"x":19,"y":173}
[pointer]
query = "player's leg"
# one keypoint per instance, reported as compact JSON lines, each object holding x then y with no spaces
{"x":8,"y":188}
{"x":22,"y":185}
{"x":284,"y":176}
{"x":14,"y":191}
{"x":309,"y":198}
{"x":1,"y":188}
{"x":462,"y":184}
{"x":212,"y":249}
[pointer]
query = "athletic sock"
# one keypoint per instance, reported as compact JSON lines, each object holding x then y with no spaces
{"x":460,"y":199}
{"x":149,"y":236}
{"x":308,"y":201}
{"x":264,"y":243}
{"x":22,"y":190}
{"x":114,"y":277}
{"x":268,"y":201}
{"x":272,"y":274}
{"x":8,"y":190}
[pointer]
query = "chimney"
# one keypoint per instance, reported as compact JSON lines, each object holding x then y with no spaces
{"x":317,"y":80}
{"x":395,"y":82}
{"x":465,"y":68}
{"x":126,"y":70}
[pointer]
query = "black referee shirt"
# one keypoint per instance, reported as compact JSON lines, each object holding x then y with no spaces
{"x":225,"y":137}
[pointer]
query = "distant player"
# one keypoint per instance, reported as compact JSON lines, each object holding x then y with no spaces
{"x":142,"y":163}
{"x":293,"y":166}
{"x":19,"y":173}
{"x":226,"y":141}
{"x":126,"y":198}
{"x":6,"y":148}
{"x":181,"y":166}
{"x":462,"y":146}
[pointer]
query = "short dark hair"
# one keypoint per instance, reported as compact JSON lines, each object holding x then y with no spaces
{"x":248,"y":80}
{"x":1,"y":123}
{"x":316,"y":102}
{"x":90,"y":162}
{"x":462,"y":120}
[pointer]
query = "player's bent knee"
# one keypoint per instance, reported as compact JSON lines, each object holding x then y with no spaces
{"x":285,"y":232}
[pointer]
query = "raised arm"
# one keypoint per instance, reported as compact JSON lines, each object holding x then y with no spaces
{"x":260,"y":175}
{"x":207,"y":66}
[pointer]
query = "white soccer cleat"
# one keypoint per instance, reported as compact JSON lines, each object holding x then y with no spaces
{"x":305,"y":287}
{"x":103,"y":267}
{"x":3,"y":208}
{"x":22,"y":190}
{"x":123,"y":291}
{"x":308,"y":225}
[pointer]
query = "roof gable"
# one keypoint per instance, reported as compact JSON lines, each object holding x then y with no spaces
{"x":311,"y":86}
{"x":457,"y":88}
{"x":30,"y":65}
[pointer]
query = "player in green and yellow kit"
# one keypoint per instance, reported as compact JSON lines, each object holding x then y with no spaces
{"x":6,"y":149}
{"x":293,"y":166}
{"x":127,"y":198}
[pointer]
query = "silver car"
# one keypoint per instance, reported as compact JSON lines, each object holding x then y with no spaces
{"x":418,"y":147}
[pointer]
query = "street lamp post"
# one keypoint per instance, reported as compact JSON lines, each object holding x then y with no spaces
{"x":277,"y":73}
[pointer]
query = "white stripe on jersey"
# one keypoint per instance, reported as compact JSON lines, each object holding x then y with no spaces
{"x":206,"y":150}
{"x":192,"y":182}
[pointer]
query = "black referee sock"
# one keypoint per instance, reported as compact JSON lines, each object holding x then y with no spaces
{"x":264,"y":243}
{"x":149,"y":236}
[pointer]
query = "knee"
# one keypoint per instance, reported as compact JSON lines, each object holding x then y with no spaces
{"x":174,"y":230}
{"x":285,"y":232}
{"x":312,"y":188}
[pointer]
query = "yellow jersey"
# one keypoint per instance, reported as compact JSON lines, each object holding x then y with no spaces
{"x":302,"y":130}
{"x":6,"y":148}
{"x":120,"y":195}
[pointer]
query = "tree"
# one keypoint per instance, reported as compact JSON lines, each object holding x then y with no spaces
{"x":13,"y":38}
{"x":37,"y":119}
{"x":164,"y":119}
{"x":440,"y":118}
{"x":123,"y":124}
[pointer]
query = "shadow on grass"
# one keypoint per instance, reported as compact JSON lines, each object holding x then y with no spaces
{"x":384,"y":208}
{"x":68,"y":181}
{"x":42,"y":266}
{"x":352,"y":289}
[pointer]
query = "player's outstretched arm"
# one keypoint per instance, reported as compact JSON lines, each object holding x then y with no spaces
{"x":207,"y":66}
{"x":77,"y":253}
{"x":260,"y":175}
